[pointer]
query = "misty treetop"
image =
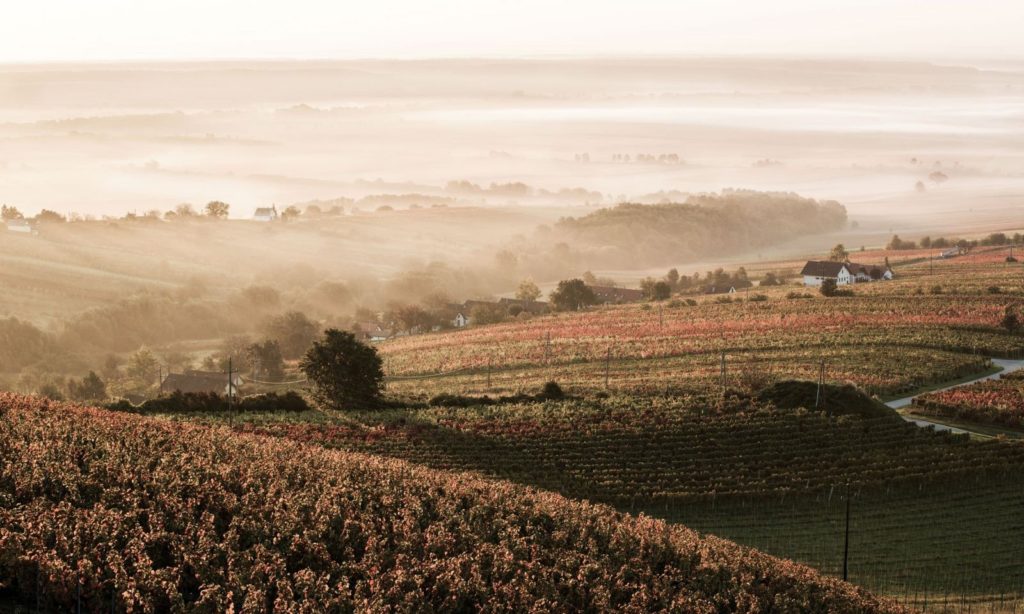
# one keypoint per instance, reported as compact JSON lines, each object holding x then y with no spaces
{"x":704,"y":225}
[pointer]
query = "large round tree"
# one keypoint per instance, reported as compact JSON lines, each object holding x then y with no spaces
{"x":345,"y":373}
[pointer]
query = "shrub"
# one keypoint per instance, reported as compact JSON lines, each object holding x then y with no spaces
{"x":828,"y":287}
{"x":994,"y":290}
{"x":179,"y":402}
{"x":552,"y":390}
{"x":936,"y":289}
{"x":290,"y":401}
{"x":757,"y":298}
{"x":1010,"y":321}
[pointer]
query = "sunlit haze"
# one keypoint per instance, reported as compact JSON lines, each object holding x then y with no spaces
{"x":68,"y":30}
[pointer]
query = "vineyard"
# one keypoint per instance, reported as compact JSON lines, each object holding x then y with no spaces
{"x":935,"y":516}
{"x":111,"y":512}
{"x":935,"y":323}
{"x":997,"y":402}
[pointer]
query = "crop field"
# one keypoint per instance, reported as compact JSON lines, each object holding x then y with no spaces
{"x":929,"y":326}
{"x":934,"y":517}
{"x":998,"y":402}
{"x":112,"y":512}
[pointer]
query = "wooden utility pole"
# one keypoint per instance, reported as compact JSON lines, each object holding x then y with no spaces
{"x":160,"y":375}
{"x":488,"y":373}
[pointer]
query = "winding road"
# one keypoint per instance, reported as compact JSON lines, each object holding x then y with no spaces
{"x":1008,"y":366}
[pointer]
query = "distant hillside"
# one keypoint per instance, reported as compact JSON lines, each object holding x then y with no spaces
{"x":702,"y":226}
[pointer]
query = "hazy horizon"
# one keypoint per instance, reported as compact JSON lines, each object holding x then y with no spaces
{"x":58,"y":30}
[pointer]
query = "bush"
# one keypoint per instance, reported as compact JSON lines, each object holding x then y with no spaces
{"x":1010,"y":320}
{"x":828,"y":287}
{"x":552,"y":391}
{"x":936,"y":289}
{"x":757,"y":298}
{"x":798,"y":295}
{"x":994,"y":290}
{"x":1011,"y":259}
{"x":290,"y":401}
{"x":212,"y":403}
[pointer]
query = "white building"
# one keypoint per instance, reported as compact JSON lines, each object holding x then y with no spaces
{"x":19,"y":226}
{"x":265,"y":214}
{"x":844,"y":273}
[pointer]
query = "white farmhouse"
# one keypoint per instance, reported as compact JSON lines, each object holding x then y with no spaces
{"x":19,"y":225}
{"x":265,"y":214}
{"x":844,"y":273}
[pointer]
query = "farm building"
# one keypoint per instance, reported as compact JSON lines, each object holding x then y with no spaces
{"x":371,"y":331}
{"x":730,"y":288}
{"x":201,"y":381}
{"x":265,"y":214}
{"x":609,"y":295}
{"x":532,"y":307}
{"x":817,"y":271}
{"x":20,"y":226}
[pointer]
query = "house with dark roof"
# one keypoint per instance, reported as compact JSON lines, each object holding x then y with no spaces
{"x":610,"y":295}
{"x":201,"y":381}
{"x":729,"y":287}
{"x":815,"y":272}
{"x":535,"y":308}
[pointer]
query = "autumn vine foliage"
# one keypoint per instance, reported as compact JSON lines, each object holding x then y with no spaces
{"x":116,"y":512}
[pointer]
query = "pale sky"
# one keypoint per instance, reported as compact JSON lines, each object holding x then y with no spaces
{"x":79,"y":30}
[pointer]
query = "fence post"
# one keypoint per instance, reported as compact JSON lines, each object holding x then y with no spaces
{"x":723,"y":374}
{"x":846,"y":537}
{"x":607,"y":366}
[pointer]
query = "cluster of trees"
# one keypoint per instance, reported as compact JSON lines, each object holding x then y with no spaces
{"x":644,"y":158}
{"x":572,"y":295}
{"x":10,"y":212}
{"x":705,"y":225}
{"x":995,"y":239}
